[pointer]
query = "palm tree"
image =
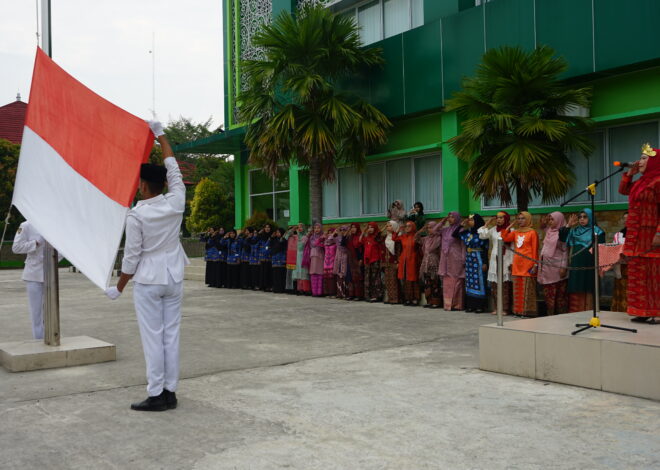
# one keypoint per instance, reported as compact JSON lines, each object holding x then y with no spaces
{"x":516,"y":133}
{"x":294,"y":110}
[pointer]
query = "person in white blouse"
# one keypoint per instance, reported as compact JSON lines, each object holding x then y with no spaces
{"x":29,"y":242}
{"x":155,"y":260}
{"x":491,"y":231}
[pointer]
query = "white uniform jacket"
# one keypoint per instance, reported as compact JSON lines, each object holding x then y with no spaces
{"x":25,"y":242}
{"x":152,"y":248}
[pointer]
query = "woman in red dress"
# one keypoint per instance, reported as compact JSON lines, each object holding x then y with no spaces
{"x":643,"y":236}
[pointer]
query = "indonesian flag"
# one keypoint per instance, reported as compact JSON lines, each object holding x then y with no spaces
{"x":78,"y":169}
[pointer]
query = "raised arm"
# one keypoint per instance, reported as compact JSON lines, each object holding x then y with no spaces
{"x":176,"y":189}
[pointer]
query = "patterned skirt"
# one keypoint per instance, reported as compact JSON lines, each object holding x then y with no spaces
{"x":411,"y":291}
{"x":524,"y":296}
{"x":329,"y":283}
{"x":644,"y":287}
{"x":556,"y":300}
{"x":620,"y":294}
{"x":580,"y":301}
{"x":392,"y":285}
{"x":373,"y":284}
{"x":432,"y":290}
{"x":507,"y":294}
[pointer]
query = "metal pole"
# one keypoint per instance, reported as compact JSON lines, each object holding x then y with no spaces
{"x":51,"y":297}
{"x":500,"y":281}
{"x":51,"y":300}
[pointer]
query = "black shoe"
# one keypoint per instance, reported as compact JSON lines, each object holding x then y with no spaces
{"x":170,"y":399}
{"x":469,"y":310}
{"x":640,"y":319}
{"x":478,"y":311}
{"x":428,"y":306}
{"x":158,"y":403}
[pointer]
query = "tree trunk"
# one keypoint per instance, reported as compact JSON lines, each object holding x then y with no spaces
{"x":522,"y":197}
{"x":316,"y":190}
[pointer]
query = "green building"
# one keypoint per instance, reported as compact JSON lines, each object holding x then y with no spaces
{"x":429,"y":45}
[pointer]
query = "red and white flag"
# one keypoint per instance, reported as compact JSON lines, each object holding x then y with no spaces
{"x":78,"y":169}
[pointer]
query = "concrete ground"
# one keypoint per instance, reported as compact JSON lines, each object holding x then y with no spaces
{"x":276,"y":381}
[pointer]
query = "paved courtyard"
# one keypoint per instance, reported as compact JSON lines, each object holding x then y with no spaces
{"x":276,"y":381}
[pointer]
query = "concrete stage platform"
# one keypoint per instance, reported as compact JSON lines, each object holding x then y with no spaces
{"x":602,"y":358}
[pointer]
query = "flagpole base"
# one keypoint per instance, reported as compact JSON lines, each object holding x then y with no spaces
{"x":22,"y":356}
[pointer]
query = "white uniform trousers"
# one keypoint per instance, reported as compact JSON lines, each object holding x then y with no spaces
{"x":158,"y":309}
{"x":35,"y":292}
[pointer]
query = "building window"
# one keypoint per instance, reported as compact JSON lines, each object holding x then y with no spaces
{"x":380,"y":19}
{"x":270,"y":195}
{"x":368,"y":194}
{"x":610,"y":144}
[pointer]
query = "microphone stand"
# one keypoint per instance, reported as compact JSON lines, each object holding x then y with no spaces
{"x":595,"y":320}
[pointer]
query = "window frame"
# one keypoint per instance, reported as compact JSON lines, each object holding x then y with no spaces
{"x":606,"y":158}
{"x":361,"y":189}
{"x":381,"y":11}
{"x":272,"y":193}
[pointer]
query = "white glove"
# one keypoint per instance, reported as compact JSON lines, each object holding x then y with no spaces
{"x":112,"y":292}
{"x":156,"y":127}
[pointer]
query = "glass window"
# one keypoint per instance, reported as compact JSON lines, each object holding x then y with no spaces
{"x":349,"y":192}
{"x":399,"y":182}
{"x":587,"y":170}
{"x":282,"y":180}
{"x":373,"y":183}
{"x":370,"y":22}
{"x":263,"y":203}
{"x":330,"y":203}
{"x":396,"y":15}
{"x":625,"y":145}
{"x":417,"y":13}
{"x":260,"y":182}
{"x":428,"y":182}
{"x":282,"y":213}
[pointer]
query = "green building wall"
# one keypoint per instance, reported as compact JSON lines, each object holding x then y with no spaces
{"x":610,"y":47}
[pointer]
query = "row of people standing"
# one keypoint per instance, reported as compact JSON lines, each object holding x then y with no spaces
{"x":448,"y":258}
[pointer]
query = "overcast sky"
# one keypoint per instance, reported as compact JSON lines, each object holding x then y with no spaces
{"x":106,"y":44}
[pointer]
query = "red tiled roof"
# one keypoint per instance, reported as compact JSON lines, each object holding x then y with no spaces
{"x":12,"y":120}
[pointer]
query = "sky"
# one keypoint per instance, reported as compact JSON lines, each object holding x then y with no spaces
{"x":106,"y":46}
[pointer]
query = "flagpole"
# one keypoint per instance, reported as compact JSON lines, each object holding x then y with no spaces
{"x":51,"y":299}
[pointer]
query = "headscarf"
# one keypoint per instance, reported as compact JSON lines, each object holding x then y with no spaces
{"x":412,"y":224}
{"x":447,"y":232}
{"x":354,"y":242}
{"x":650,"y":176}
{"x":552,"y":235}
{"x":397,"y":211}
{"x":507,"y":221}
{"x":307,"y":251}
{"x":433,"y":239}
{"x":583,"y":234}
{"x":528,"y":226}
{"x":389,"y":243}
{"x":375,"y":227}
{"x":421,"y":207}
{"x":478,"y":223}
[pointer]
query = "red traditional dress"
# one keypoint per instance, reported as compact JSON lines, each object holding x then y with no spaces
{"x":642,"y":225}
{"x":409,"y":261}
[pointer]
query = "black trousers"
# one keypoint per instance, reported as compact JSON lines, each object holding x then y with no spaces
{"x":221,"y":274}
{"x":279,"y":279}
{"x":213,"y":275}
{"x":208,"y":275}
{"x":266,"y":276}
{"x":232,"y":278}
{"x":255,"y":274}
{"x":246,"y":279}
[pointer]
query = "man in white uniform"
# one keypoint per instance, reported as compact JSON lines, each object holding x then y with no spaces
{"x":28,"y":241}
{"x":155,"y":260}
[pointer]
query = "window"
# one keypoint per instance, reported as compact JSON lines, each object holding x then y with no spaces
{"x":270,"y":196}
{"x":610,"y":144}
{"x":369,"y":193}
{"x":380,"y":19}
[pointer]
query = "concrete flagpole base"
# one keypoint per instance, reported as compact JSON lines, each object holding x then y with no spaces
{"x":22,"y":356}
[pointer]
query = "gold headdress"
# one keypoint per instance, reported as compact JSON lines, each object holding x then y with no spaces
{"x":648,"y":150}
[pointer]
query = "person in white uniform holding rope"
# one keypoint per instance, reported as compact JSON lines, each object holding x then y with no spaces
{"x":155,"y":260}
{"x":29,"y":242}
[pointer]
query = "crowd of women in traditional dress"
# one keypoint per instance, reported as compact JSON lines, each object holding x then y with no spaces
{"x":453,"y":260}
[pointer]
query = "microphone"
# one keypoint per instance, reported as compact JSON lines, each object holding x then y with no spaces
{"x":624,"y":164}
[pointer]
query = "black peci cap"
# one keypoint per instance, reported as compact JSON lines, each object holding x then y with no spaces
{"x":153,"y":173}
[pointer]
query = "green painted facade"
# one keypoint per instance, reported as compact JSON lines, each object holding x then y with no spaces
{"x":609,"y":44}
